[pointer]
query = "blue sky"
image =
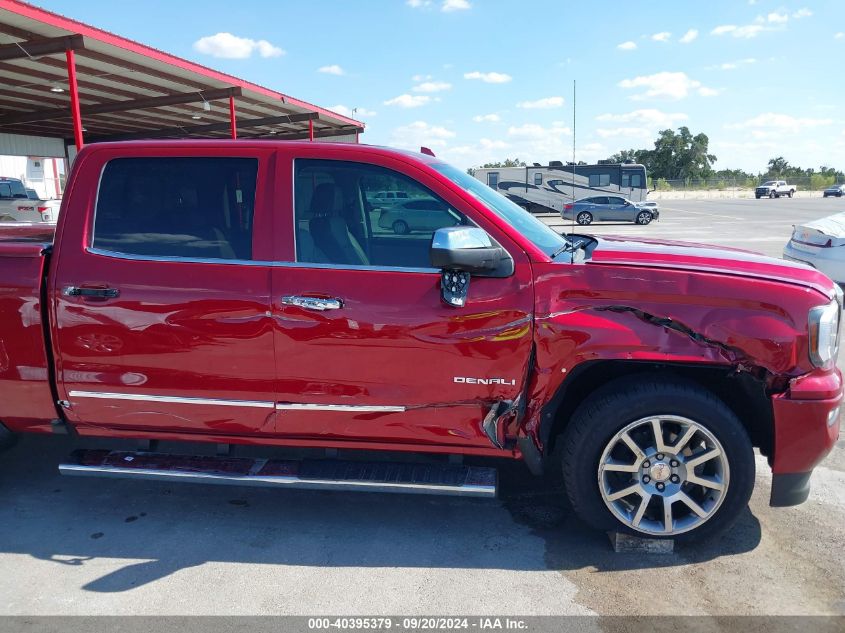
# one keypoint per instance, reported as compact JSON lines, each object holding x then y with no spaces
{"x":481,"y":80}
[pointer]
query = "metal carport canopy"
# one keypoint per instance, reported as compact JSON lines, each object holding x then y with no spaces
{"x":127,"y":90}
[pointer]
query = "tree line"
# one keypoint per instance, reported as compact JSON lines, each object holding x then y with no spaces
{"x":686,"y":157}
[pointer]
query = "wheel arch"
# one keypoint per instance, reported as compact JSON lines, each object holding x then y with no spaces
{"x":743,"y":393}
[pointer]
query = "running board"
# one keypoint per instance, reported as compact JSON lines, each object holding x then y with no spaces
{"x":414,"y":478}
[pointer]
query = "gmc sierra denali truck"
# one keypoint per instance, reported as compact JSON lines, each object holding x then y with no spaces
{"x":241,"y":292}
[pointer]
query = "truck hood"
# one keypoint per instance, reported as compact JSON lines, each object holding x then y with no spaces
{"x":706,"y":258}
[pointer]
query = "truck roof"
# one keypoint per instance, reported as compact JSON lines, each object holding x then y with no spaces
{"x":352,"y":148}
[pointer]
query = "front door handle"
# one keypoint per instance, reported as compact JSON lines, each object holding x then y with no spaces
{"x":100,"y":293}
{"x":312,"y":303}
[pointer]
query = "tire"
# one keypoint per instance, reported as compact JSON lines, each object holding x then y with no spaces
{"x":584,"y":218}
{"x":757,"y":197}
{"x":400,"y":227}
{"x":643,"y":218}
{"x":772,"y":195}
{"x":631,"y":403}
{"x":791,"y":192}
{"x":7,"y":438}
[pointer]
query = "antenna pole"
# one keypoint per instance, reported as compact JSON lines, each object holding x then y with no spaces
{"x":573,"y":154}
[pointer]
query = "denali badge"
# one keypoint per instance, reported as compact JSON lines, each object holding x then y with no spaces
{"x":483,"y":381}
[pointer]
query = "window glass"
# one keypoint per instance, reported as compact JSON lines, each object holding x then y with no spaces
{"x":600,"y":200}
{"x":637,"y":181}
{"x":615,"y":201}
{"x":599,"y":180}
{"x":340,"y":221}
{"x":493,"y":179}
{"x":177,"y":207}
{"x":626,"y":179}
{"x":538,"y":179}
{"x":12,"y":189}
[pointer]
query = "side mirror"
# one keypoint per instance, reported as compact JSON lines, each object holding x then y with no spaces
{"x":461,"y":251}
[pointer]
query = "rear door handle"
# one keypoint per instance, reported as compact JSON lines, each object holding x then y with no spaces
{"x":101,"y":293}
{"x":312,"y":303}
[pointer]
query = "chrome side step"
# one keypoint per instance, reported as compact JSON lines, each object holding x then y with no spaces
{"x":435,"y":479}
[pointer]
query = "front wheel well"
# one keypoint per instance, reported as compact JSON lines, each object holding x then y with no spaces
{"x":745,"y":394}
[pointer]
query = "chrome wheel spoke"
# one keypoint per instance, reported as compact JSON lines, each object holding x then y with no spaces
{"x":635,"y":448}
{"x":619,"y":494}
{"x":657,"y":430}
{"x":706,"y":482}
{"x":706,"y":456}
{"x":684,"y":439}
{"x":668,"y":523}
{"x":641,"y":510}
{"x":618,"y":467}
{"x":691,"y":504}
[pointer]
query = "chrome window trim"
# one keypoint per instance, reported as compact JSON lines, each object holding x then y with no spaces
{"x":254,"y":404}
{"x":256,"y":262}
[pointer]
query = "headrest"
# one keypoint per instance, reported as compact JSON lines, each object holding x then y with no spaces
{"x":322,"y":201}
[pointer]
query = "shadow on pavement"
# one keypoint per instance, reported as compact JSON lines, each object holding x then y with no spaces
{"x":158,"y":528}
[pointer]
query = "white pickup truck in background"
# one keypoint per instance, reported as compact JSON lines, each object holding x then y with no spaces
{"x":17,"y":206}
{"x":774,"y":189}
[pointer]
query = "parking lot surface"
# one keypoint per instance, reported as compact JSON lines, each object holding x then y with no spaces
{"x":105,"y":546}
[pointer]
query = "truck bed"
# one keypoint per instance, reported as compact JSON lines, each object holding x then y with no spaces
{"x":25,"y":390}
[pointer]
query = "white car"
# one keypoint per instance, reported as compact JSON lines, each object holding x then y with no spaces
{"x":17,"y":206}
{"x":821,"y":244}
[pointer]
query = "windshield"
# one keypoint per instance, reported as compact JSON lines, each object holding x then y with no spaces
{"x":769,"y":182}
{"x":536,"y":231}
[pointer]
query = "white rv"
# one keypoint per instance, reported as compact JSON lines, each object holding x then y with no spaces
{"x":542,"y":189}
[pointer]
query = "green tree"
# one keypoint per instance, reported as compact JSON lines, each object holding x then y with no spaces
{"x":508,"y":162}
{"x":678,"y":156}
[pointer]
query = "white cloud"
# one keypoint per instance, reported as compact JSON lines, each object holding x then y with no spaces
{"x":534,"y":131}
{"x":432,"y":86}
{"x":487,"y":118}
{"x":779,"y":122}
{"x":230,"y":46}
{"x":408,"y":101}
{"x":704,"y":91}
{"x":689,"y":36}
{"x":489,"y":78}
{"x":625,"y":132}
{"x":745,"y":32}
{"x":418,"y":4}
{"x":733,"y":65}
{"x":420,"y":133}
{"x":627,"y":46}
{"x":668,"y":85}
{"x":545,"y":103}
{"x":419,"y":78}
{"x":802,"y":13}
{"x":663,"y":36}
{"x":649,"y":117}
{"x":839,"y":35}
{"x":346,"y":111}
{"x":777,"y":18}
{"x":333,"y":69}
{"x":455,"y":5}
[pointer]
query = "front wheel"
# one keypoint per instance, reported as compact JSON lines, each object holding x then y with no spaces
{"x":660,"y":458}
{"x":584,"y":218}
{"x":772,"y":195}
{"x":400,"y":227}
{"x":643,"y":217}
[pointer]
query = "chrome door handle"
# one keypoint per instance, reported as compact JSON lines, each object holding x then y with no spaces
{"x":312,"y":303}
{"x":98,"y":293}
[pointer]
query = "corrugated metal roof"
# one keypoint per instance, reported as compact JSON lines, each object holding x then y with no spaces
{"x":113,"y":71}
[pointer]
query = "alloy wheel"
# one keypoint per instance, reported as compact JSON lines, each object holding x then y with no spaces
{"x":663,"y":475}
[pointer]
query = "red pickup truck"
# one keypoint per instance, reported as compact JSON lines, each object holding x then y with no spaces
{"x":245,"y":293}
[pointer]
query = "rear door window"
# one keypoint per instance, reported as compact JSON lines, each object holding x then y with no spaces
{"x":175,"y":207}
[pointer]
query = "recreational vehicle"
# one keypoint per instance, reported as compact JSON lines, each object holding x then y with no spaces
{"x":542,"y":189}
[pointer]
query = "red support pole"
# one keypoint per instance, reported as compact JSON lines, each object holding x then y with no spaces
{"x":310,"y":129}
{"x":76,"y":115}
{"x":233,"y":117}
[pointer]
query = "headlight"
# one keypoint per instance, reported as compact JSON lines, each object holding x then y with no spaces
{"x":824,"y":334}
